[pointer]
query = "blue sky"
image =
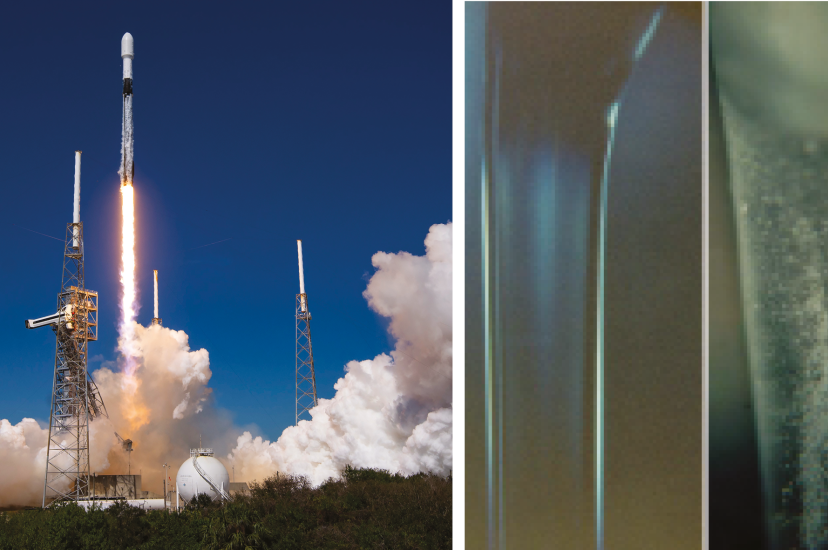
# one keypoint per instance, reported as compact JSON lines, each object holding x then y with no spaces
{"x":257,"y":122}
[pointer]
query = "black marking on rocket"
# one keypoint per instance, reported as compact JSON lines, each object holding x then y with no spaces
{"x":127,"y":86}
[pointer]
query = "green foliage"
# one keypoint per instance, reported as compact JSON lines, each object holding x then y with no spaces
{"x":365,"y":509}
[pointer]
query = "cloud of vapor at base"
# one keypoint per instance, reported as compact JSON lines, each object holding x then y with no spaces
{"x":164,"y":406}
{"x":392,"y":412}
{"x":23,"y":458}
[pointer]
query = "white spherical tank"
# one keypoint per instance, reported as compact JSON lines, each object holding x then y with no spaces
{"x":212,"y":476}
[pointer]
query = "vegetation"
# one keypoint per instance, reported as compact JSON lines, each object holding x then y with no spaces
{"x":365,"y":509}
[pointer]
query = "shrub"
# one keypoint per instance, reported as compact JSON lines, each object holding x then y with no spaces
{"x":367,"y":508}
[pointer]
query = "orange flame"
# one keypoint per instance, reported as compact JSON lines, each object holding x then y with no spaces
{"x":132,"y":407}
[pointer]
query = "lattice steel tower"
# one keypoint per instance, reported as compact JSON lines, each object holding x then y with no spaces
{"x":75,"y":398}
{"x":305,"y":375}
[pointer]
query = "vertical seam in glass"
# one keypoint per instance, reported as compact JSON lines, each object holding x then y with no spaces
{"x":600,"y":427}
{"x":705,"y":274}
{"x":498,"y":365}
{"x":487,"y":315}
{"x":612,"y":116}
{"x":487,"y":354}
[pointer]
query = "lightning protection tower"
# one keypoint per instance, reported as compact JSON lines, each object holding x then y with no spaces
{"x":75,"y":398}
{"x":305,"y":375}
{"x":156,"y":320}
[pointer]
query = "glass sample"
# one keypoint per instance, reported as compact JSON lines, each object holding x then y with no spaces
{"x":772,"y":87}
{"x":583,"y":180}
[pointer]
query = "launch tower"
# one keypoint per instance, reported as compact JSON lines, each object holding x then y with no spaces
{"x":75,"y":398}
{"x":305,"y":375}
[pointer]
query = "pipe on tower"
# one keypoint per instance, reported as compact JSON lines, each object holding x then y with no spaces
{"x":156,"y":320}
{"x":303,"y":305}
{"x":76,"y":212}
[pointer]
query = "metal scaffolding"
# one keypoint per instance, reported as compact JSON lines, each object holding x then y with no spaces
{"x":75,"y":398}
{"x":305,"y":375}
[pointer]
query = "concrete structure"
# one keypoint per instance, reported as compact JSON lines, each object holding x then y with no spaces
{"x":146,"y":504}
{"x":118,"y":486}
{"x":238,"y":488}
{"x":115,"y":486}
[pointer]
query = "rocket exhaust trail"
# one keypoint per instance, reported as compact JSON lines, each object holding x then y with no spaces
{"x":127,"y":272}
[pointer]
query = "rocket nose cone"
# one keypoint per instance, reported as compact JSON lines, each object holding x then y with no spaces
{"x":127,"y":46}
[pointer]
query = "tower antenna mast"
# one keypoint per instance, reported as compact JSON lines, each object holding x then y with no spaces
{"x":156,"y":320}
{"x":305,"y":374}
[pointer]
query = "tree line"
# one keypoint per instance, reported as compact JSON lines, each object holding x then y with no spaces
{"x":365,"y":509}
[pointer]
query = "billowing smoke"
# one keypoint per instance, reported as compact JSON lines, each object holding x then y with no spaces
{"x":394,"y":411}
{"x":23,"y":457}
{"x":164,"y":406}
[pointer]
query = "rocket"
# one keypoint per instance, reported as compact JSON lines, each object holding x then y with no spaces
{"x":127,"y":54}
{"x":127,"y":170}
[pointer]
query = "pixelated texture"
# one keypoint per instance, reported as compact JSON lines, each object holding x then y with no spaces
{"x":780,"y":193}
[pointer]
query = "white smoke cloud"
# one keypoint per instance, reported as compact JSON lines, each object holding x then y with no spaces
{"x":23,"y":458}
{"x":392,"y":412}
{"x":165,"y":407}
{"x":162,"y":408}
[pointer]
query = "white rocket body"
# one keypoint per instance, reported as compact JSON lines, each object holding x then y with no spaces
{"x":76,"y":212}
{"x":302,"y":303}
{"x":127,"y":54}
{"x":127,"y":170}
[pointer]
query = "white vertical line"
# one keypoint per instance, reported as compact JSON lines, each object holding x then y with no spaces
{"x":155,"y":277}
{"x":494,"y":327}
{"x":705,"y":274}
{"x":76,"y":204}
{"x":612,"y":117}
